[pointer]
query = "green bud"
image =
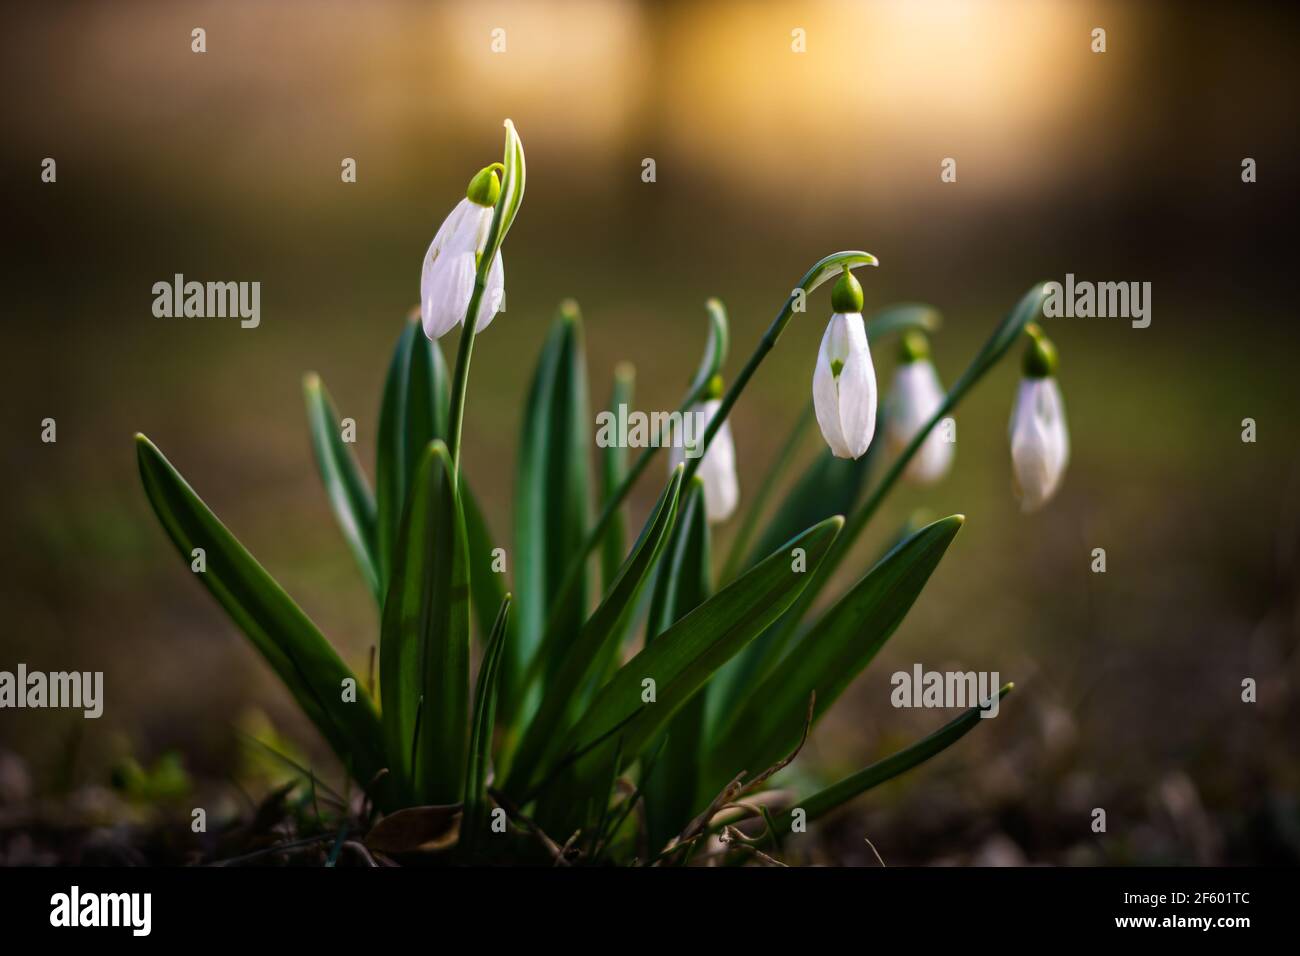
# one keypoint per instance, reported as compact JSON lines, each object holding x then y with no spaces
{"x":847,"y":295}
{"x":485,"y":187}
{"x":913,"y":347}
{"x":1040,"y":354}
{"x":713,"y":389}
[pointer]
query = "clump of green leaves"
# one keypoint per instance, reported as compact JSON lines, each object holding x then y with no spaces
{"x":547,"y":754}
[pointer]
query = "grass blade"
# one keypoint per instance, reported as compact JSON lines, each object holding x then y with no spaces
{"x":348,"y":490}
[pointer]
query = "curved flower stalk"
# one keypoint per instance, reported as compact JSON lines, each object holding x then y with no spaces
{"x":1040,"y":442}
{"x":717,"y":468}
{"x":999,"y":343}
{"x":821,"y":271}
{"x":914,"y":396}
{"x":452,"y":260}
{"x":506,"y":207}
{"x":844,"y":379}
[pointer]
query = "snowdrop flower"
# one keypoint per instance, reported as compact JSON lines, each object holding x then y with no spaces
{"x":913,"y":399}
{"x":450,"y":265}
{"x":718,"y":467}
{"x":1040,"y":444}
{"x":844,"y":381}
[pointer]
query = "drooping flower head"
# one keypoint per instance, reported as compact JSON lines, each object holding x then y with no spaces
{"x":844,"y":380}
{"x":718,"y":468}
{"x":450,"y":265}
{"x":1040,"y":442}
{"x":914,"y":397}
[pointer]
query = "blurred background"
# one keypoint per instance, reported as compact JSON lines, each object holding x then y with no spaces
{"x":1122,"y":166}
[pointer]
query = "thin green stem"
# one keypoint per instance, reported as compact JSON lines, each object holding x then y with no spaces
{"x":992,"y":352}
{"x":741,"y":542}
{"x":611,"y":506}
{"x":819,"y":273}
{"x":814,"y":277}
{"x":460,"y":381}
{"x":512,"y":185}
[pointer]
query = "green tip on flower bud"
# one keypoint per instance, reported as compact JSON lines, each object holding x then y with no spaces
{"x":713,"y":389}
{"x":846,"y":297}
{"x":485,"y":187}
{"x":913,"y":347}
{"x":1040,"y":354}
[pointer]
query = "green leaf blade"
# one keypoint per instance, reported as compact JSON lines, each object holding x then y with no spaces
{"x":683,"y":585}
{"x":413,"y":412}
{"x":349,"y":492}
{"x":486,"y":585}
{"x":580,"y":656}
{"x":715,"y":347}
{"x":551,"y":496}
{"x":424,"y":641}
{"x":613,"y":544}
{"x":309,"y":667}
{"x":486,"y":691}
{"x":768,"y":724}
{"x":903,"y":317}
{"x":682,"y":659}
{"x":836,"y":795}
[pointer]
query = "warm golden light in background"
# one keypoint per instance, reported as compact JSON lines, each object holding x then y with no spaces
{"x":1124,"y":166}
{"x":884,"y":91}
{"x":581,"y":68}
{"x":896,"y":83}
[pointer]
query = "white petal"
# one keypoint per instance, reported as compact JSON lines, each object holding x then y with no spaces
{"x":493,"y":294}
{"x":826,"y":399}
{"x":1054,"y":414}
{"x":718,"y":470}
{"x":932,"y":460}
{"x":471,"y":231}
{"x":444,"y":292}
{"x":857,"y":387}
{"x":449,"y":234}
{"x":1039,"y":442}
{"x":914,"y":397}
